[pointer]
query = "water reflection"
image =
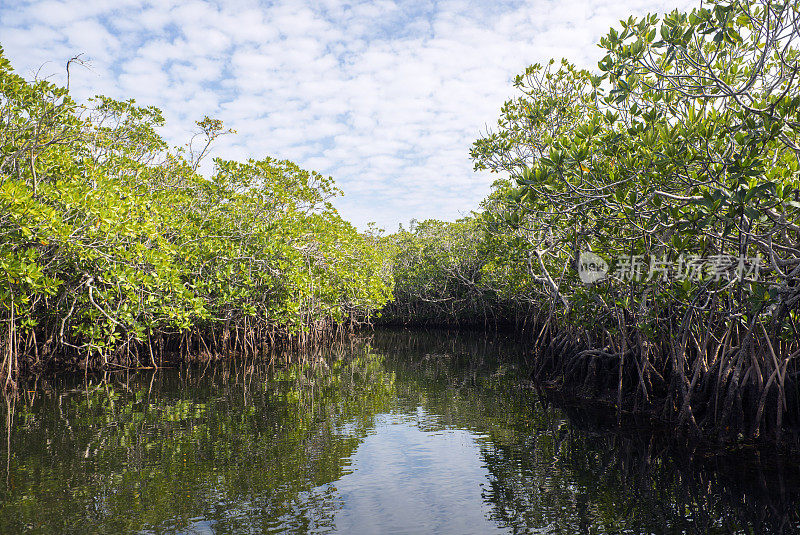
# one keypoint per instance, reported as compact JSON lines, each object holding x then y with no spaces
{"x":402,"y":432}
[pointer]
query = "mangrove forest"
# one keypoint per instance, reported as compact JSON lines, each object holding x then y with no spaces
{"x":183,"y":323}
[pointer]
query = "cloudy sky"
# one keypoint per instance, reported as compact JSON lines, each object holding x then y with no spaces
{"x":385,"y":96}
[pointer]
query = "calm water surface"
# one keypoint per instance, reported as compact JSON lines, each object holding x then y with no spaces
{"x":398,"y":433}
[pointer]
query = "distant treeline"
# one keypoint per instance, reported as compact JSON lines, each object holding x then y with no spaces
{"x":648,"y":225}
{"x":115,"y":251}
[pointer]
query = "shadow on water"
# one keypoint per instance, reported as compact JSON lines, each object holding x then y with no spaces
{"x":400,"y":431}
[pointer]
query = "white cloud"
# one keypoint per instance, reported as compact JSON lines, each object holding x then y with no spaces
{"x":384,"y":96}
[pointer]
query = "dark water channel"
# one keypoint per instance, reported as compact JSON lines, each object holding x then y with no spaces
{"x":403,"y":432}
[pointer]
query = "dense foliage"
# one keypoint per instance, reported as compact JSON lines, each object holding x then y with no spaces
{"x":676,"y":164}
{"x":113,"y":246}
{"x":459,"y":274}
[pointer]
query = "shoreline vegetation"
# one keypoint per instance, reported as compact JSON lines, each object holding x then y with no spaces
{"x":675,"y":166}
{"x":680,"y":152}
{"x":116,"y":252}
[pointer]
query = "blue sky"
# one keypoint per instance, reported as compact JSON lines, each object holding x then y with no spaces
{"x":384,"y":96}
